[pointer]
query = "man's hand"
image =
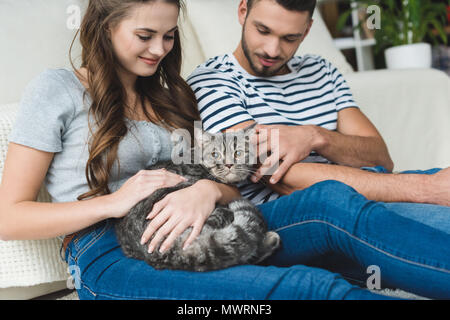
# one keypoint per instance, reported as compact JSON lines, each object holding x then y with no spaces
{"x":290,"y":144}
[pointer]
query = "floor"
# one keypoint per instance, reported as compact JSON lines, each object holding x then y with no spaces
{"x":60,"y":295}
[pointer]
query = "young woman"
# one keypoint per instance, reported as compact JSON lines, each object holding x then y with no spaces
{"x":90,"y":133}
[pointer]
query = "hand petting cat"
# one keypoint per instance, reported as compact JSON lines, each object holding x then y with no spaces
{"x":287,"y":145}
{"x":140,"y":186}
{"x":179,"y":210}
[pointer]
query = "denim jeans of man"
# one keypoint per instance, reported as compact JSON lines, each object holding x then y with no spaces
{"x":326,"y":219}
{"x":431,"y":215}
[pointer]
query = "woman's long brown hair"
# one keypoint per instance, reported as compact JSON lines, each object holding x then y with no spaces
{"x":171,"y":98}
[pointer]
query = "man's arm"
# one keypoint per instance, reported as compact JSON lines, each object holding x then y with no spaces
{"x":356,"y":143}
{"x":379,"y":187}
{"x":417,"y":188}
{"x":386,"y":187}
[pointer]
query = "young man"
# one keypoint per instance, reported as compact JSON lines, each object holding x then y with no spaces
{"x":307,"y":103}
{"x":321,"y":133}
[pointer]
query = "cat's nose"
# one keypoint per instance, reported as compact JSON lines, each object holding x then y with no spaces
{"x":228,"y":166}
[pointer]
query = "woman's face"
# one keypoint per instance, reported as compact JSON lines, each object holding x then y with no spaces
{"x":145,"y":37}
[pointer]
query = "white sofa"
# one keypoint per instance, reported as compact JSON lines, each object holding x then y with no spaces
{"x":411,"y":108}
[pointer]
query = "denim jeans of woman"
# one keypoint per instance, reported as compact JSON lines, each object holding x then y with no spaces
{"x":328,"y":219}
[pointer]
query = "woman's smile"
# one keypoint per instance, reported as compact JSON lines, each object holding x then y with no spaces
{"x":150,"y":62}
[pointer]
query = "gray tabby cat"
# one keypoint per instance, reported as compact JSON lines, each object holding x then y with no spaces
{"x":232,"y":235}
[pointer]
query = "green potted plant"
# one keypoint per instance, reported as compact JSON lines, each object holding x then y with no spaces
{"x":403,"y":27}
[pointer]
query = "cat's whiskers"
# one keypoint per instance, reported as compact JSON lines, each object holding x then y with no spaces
{"x":245,"y":171}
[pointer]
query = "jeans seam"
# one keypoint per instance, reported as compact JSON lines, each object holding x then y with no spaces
{"x":366,"y":243}
{"x":89,"y":289}
{"x":90,"y":243}
{"x":124,"y":296}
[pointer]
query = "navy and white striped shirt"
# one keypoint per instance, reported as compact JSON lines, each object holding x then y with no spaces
{"x":311,"y":94}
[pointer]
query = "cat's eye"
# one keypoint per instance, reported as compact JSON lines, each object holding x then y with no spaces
{"x":215,"y":154}
{"x":238,"y":153}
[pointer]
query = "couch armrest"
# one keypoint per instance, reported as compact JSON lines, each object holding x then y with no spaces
{"x":411,"y":109}
{"x":7,"y":116}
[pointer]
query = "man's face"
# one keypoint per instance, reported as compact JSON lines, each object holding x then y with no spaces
{"x":271,"y":35}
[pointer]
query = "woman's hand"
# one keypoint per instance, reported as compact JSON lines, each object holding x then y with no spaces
{"x":179,"y":210}
{"x":139,"y":187}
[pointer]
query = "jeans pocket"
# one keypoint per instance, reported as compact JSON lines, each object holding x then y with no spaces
{"x":86,"y":238}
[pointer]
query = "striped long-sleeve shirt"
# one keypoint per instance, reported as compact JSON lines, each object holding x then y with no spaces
{"x":311,"y":94}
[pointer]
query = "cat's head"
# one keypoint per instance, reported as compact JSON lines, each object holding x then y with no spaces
{"x":229,"y":157}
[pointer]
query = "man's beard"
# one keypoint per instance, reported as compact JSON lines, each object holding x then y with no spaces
{"x":265,"y":71}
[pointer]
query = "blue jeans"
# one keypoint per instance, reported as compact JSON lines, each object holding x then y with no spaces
{"x":435,"y":216}
{"x":327,"y":218}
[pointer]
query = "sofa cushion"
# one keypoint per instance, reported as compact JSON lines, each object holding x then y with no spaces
{"x":35,"y":36}
{"x":193,"y":54}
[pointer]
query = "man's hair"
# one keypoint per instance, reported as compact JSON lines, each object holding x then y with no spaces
{"x":291,"y":5}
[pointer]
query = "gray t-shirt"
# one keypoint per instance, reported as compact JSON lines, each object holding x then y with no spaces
{"x":52,"y":117}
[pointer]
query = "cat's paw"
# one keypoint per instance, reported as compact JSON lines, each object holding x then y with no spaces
{"x":272,"y":240}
